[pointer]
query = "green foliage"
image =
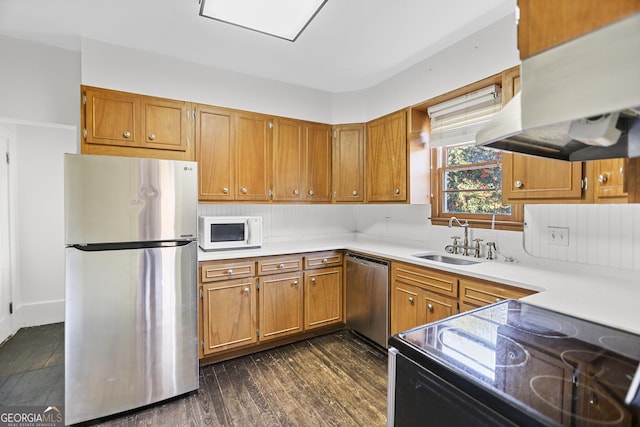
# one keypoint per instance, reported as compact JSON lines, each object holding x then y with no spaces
{"x":473,"y":181}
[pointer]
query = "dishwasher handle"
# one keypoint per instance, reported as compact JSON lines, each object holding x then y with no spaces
{"x":370,"y":262}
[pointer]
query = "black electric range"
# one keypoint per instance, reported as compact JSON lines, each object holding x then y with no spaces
{"x":512,"y":363}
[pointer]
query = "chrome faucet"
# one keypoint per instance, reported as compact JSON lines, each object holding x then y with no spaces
{"x":465,"y":244}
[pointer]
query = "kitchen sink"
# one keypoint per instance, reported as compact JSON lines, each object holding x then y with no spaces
{"x":446,"y":259}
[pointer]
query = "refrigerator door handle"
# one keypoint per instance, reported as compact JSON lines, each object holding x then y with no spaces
{"x":95,"y":247}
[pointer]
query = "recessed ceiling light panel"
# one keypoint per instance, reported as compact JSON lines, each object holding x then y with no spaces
{"x":280,"y":18}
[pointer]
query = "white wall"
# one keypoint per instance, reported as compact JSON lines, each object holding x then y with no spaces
{"x":600,"y":235}
{"x":38,"y":294}
{"x":39,"y":83}
{"x":130,"y":70}
{"x":487,"y":52}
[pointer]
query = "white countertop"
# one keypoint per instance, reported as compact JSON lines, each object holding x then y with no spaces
{"x":612,"y":301}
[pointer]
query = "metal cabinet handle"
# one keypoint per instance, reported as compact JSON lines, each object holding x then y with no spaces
{"x":229,"y":271}
{"x":126,"y":134}
{"x":602,"y":178}
{"x":411,"y":300}
{"x":430,"y":307}
{"x":246,"y":291}
{"x":518,"y":184}
{"x":152,"y":136}
{"x":281,"y":266}
{"x":295,"y":283}
{"x":225,"y":190}
{"x":296,"y":192}
{"x":397,"y":191}
{"x":311,"y":193}
{"x":498,"y":300}
{"x":325,"y":261}
{"x":244,"y":190}
{"x":354,"y":192}
{"x":313,"y":280}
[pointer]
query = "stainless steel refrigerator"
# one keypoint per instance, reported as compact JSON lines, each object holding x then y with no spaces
{"x":131,"y":330}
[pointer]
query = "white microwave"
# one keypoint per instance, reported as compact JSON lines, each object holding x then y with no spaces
{"x":229,"y":232}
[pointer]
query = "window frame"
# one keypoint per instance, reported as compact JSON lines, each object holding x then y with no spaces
{"x":512,"y":222}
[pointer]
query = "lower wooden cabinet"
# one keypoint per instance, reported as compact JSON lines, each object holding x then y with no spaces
{"x":322,"y":297}
{"x":476,"y":293}
{"x":229,"y":313}
{"x":413,"y":306}
{"x":281,"y":304}
{"x":247,"y":302}
{"x":420,"y":295}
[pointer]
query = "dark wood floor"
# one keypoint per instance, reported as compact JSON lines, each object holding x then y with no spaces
{"x":333,"y":380}
{"x":32,"y":367}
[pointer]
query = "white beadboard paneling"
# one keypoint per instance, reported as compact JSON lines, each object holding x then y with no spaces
{"x":599,"y":235}
{"x":291,"y":222}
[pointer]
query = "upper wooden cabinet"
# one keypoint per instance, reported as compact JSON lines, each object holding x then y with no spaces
{"x":252,"y":157}
{"x":111,"y":118}
{"x":127,"y":124}
{"x":547,"y":23}
{"x":386,"y":158}
{"x":530,"y":179}
{"x":165,"y":124}
{"x":609,"y":181}
{"x":301,"y":161}
{"x":215,"y":153}
{"x":348,"y":163}
{"x":288,"y":160}
{"x":317,"y":162}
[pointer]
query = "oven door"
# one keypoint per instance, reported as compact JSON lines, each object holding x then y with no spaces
{"x":418,"y":397}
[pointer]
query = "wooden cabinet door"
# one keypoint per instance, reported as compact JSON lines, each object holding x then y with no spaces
{"x":547,"y":23}
{"x":317,"y":163}
{"x":111,"y":118}
{"x":322,"y":297}
{"x":608,"y":181}
{"x":405,"y":311}
{"x":437,"y":307}
{"x":215,"y":153}
{"x":386,"y":158}
{"x":281,"y":302}
{"x":229,"y":315}
{"x":534,"y":179}
{"x":165,"y":124}
{"x":348,"y":163}
{"x":288,"y":160}
{"x":252,"y":159}
{"x":478,"y":293}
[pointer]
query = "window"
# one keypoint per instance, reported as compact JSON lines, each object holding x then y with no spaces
{"x":467,"y":179}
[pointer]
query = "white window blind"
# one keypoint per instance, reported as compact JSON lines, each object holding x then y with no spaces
{"x":457,"y":120}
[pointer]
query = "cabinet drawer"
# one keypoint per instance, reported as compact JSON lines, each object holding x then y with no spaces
{"x":479,"y":292}
{"x":323,"y":259}
{"x":279,"y":264}
{"x":211,"y":272}
{"x":425,"y":278}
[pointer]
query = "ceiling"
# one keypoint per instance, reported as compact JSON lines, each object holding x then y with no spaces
{"x":350,"y":45}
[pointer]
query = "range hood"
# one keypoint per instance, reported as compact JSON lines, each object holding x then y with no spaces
{"x":579,"y":101}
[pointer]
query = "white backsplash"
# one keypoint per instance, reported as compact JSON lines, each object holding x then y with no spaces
{"x":602,"y":235}
{"x":291,"y":222}
{"x":599,"y":235}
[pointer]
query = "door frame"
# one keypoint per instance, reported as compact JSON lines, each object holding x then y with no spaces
{"x":7,"y":330}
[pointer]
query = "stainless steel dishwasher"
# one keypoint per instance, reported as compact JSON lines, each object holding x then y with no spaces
{"x":368,"y":297}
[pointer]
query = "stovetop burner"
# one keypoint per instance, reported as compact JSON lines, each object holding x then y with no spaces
{"x":535,"y":322}
{"x":605,"y":411}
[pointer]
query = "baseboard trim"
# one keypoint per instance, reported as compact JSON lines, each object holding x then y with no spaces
{"x":36,"y":314}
